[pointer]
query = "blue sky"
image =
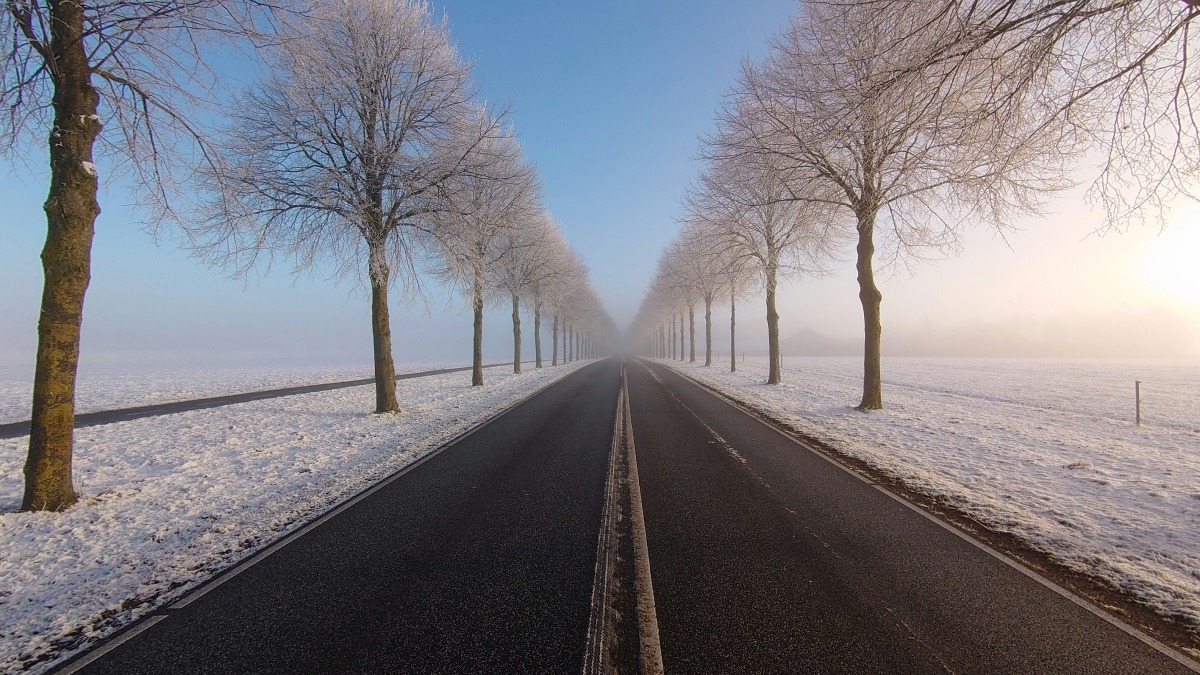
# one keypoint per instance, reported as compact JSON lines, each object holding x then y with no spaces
{"x":609,"y":99}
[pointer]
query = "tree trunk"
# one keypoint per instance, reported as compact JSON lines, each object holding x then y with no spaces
{"x":692,"y":333}
{"x":871,"y":298}
{"x":477,"y":341}
{"x":554,"y":342}
{"x":773,"y":374}
{"x":381,"y":330}
{"x":708,"y":329}
{"x":516,"y":302}
{"x":537,"y":333}
{"x":71,"y":210}
{"x":732,"y":332}
{"x":682,"y":338}
{"x":672,"y":354}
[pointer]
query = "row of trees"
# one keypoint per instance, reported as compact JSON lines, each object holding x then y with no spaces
{"x":894,"y":126}
{"x":362,"y":148}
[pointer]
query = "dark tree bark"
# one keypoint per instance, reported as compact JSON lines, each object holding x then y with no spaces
{"x":554,"y":342}
{"x":682,"y":338}
{"x":692,"y":333}
{"x":537,"y":333}
{"x":871,"y":298}
{"x":708,"y":300}
{"x":516,"y":316}
{"x":672,"y":354}
{"x":381,"y":331}
{"x":773,"y":375}
{"x":477,"y":340}
{"x":732,"y":332}
{"x":71,"y":210}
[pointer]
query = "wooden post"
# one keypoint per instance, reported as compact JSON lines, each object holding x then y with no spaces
{"x":1137,"y":397}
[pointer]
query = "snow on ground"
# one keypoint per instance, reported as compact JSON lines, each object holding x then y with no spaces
{"x":166,"y":501}
{"x":1045,"y":450}
{"x":108,"y":387}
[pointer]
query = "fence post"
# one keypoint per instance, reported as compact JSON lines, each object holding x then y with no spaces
{"x":1137,"y":397}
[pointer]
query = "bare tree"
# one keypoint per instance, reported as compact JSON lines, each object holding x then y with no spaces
{"x":527,"y":254}
{"x":1119,"y":74}
{"x":558,"y":298}
{"x":698,"y":256}
{"x":339,"y":155}
{"x":70,"y":68}
{"x":748,"y":197}
{"x":485,"y":207}
{"x":914,"y":157}
{"x":558,"y":266}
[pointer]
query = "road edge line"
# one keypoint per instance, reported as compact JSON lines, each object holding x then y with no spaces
{"x":112,"y":644}
{"x":1133,"y":631}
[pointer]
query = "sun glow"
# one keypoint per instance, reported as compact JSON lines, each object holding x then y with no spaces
{"x":1171,"y":262}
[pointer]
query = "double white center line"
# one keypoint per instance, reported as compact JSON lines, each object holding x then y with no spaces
{"x":606,"y":622}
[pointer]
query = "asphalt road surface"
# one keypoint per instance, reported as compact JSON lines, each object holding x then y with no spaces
{"x":14,"y":429}
{"x":767,"y":558}
{"x":479,"y":560}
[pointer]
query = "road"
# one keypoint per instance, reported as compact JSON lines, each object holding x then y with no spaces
{"x":765,"y":557}
{"x":14,"y":429}
{"x":479,"y":560}
{"x":769,"y":558}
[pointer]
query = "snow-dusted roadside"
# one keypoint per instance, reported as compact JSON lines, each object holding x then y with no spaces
{"x":167,"y":501}
{"x":1044,"y":450}
{"x":110,"y":387}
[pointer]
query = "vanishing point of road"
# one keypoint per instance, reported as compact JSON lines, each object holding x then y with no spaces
{"x":625,"y":519}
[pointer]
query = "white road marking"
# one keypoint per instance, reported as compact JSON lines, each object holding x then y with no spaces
{"x":595,"y":655}
{"x":112,"y":644}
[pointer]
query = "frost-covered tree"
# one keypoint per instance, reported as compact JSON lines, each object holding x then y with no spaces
{"x":1119,"y":75}
{"x":558,"y":267}
{"x":527,"y":251}
{"x":747,"y":200}
{"x":340,"y":154}
{"x":559,"y":297}
{"x":123,"y":78}
{"x":485,"y":207}
{"x":913,"y":155}
{"x":675,"y":275}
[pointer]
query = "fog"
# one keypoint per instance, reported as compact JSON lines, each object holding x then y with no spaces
{"x":1053,"y":289}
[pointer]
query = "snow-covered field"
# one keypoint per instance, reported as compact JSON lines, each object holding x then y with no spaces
{"x":108,"y":387}
{"x":1045,"y":450}
{"x":166,"y":501}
